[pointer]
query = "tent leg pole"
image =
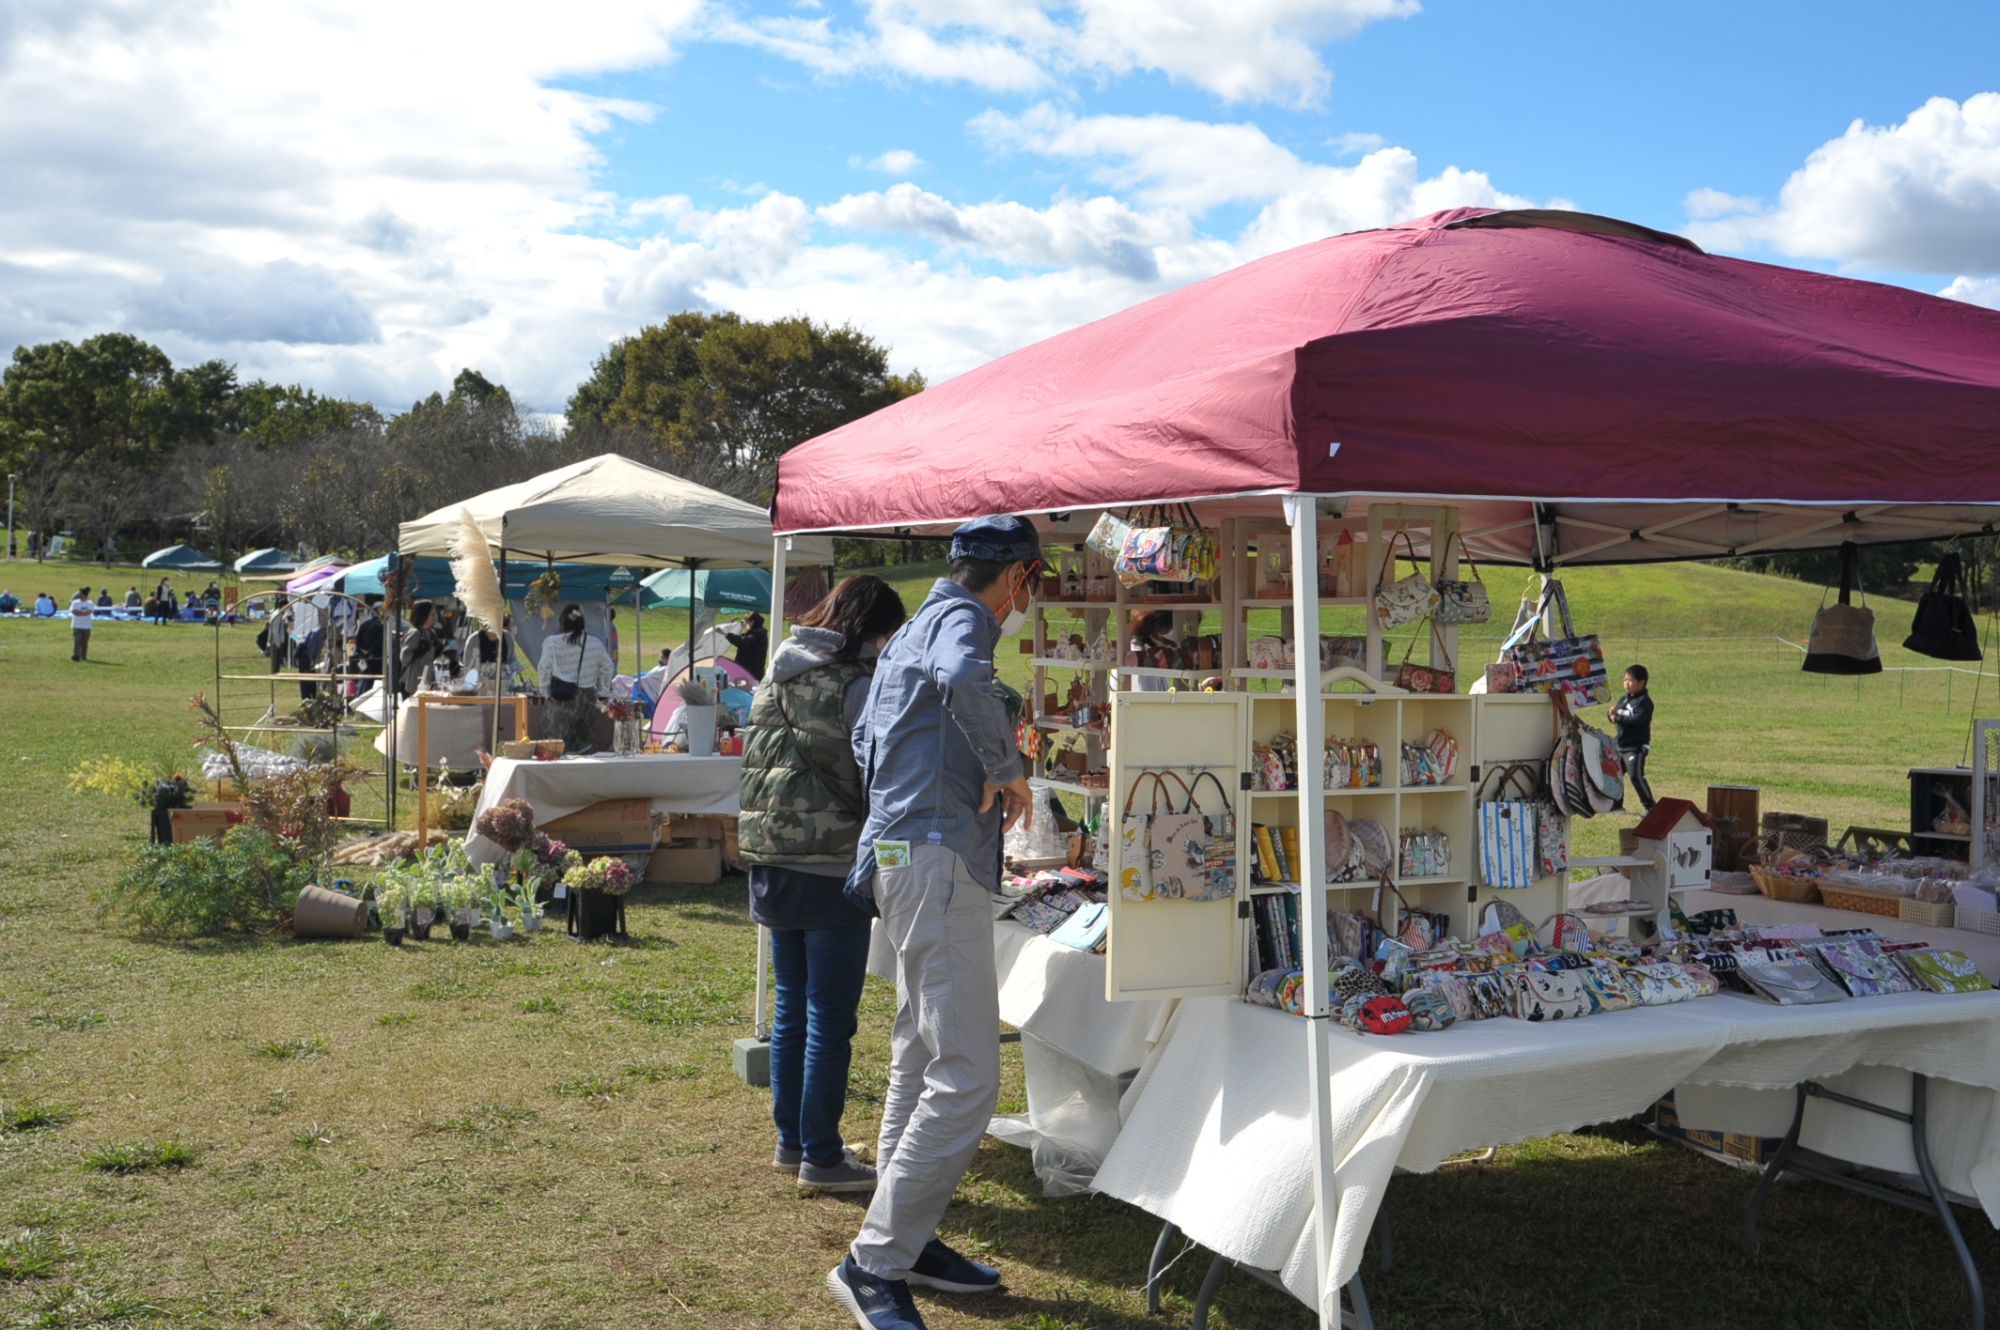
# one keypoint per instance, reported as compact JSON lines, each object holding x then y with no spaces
{"x":1303,"y":512}
{"x":500,"y":661}
{"x":778,"y":544}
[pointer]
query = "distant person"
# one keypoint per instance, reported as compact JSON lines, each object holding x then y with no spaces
{"x":132,"y":600}
{"x":9,"y":602}
{"x":214,"y":592}
{"x":575,"y":669}
{"x":1634,"y":717}
{"x":45,"y":606}
{"x":486,"y":648}
{"x":35,"y":546}
{"x":104,"y":598}
{"x":422,"y":644}
{"x":81,"y":612}
{"x":1152,"y":647}
{"x":366,"y":655}
{"x":611,"y":636}
{"x":752,"y":643}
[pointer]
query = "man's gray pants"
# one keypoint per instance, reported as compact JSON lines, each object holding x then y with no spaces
{"x":944,"y":1068}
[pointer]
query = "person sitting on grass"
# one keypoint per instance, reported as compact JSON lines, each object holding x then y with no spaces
{"x":45,"y":606}
{"x":9,"y":602}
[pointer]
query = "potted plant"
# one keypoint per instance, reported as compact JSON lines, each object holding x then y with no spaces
{"x":597,"y":890}
{"x":496,"y":913}
{"x":392,"y":902}
{"x":459,"y":894}
{"x":527,"y":907}
{"x":508,"y":824}
{"x":539,"y":864}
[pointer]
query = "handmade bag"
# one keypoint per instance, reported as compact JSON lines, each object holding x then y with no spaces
{"x":1843,"y":635}
{"x":1218,"y":842}
{"x":1429,"y":1010}
{"x":1451,"y":986}
{"x":1509,"y":842}
{"x":1381,"y":1015}
{"x":1165,"y":549}
{"x":1548,"y":995}
{"x":1606,"y":989}
{"x":1460,"y":601}
{"x":1790,"y":983}
{"x":1944,"y":628}
{"x":1944,"y":971}
{"x":1135,"y":834}
{"x":1407,"y":599}
{"x":1586,"y":760}
{"x":1413,"y":678}
{"x":1108,"y":536}
{"x":1571,"y":663}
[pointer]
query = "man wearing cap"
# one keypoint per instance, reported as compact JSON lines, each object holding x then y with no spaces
{"x":944,"y":781}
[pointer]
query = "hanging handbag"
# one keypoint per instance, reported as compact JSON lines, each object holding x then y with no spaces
{"x":1461,"y":601}
{"x":1428,"y":678}
{"x":1135,"y":859}
{"x":1944,"y":628}
{"x":1843,"y":634}
{"x":1169,"y":545}
{"x":1509,"y":844}
{"x":1107,"y":537}
{"x":1572,"y":663}
{"x":1406,"y":599}
{"x":1218,"y":842}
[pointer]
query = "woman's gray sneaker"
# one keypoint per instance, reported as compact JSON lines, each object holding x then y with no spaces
{"x":849,"y":1175}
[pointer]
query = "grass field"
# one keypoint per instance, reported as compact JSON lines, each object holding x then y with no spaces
{"x":534,"y":1134}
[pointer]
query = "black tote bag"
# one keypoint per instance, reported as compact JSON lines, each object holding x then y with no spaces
{"x":1944,"y":628}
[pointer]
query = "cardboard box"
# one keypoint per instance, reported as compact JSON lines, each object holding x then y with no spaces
{"x":204,"y":821}
{"x":614,"y":826}
{"x":686,"y":863}
{"x":703,"y":828}
{"x":1728,"y":1146}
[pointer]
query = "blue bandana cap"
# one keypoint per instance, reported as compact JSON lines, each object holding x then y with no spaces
{"x":1004,"y":539}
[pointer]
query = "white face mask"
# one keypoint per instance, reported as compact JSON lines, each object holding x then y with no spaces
{"x":1016,"y":618}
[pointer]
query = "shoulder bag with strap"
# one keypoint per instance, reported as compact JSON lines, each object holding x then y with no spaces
{"x":1219,"y":840}
{"x":1460,"y":601}
{"x":561,"y":689}
{"x":1136,"y":876}
{"x":1509,"y":835}
{"x":1572,"y":663}
{"x":1400,"y":601}
{"x":1944,"y":628}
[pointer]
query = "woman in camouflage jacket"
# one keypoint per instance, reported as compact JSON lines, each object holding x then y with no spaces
{"x":803,"y":803}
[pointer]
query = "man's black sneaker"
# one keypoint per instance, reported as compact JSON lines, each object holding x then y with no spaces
{"x":941,"y":1268}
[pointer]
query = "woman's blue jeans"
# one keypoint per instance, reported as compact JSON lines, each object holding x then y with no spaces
{"x":819,"y":972}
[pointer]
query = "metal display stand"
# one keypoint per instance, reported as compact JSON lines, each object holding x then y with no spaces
{"x":1357,"y":1315}
{"x":1937,"y":1204}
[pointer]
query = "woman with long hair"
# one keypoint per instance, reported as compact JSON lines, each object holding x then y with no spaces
{"x":803,"y":802}
{"x":575,"y":670}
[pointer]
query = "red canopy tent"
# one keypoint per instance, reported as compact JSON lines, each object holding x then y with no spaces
{"x":1583,"y":389}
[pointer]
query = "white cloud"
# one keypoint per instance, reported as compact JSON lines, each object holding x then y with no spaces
{"x":896,"y":161}
{"x":388,"y":188}
{"x":1240,"y":50}
{"x":1095,"y":233}
{"x":1921,"y":196}
{"x":1349,"y":145}
{"x":1975,"y":290}
{"x":1707,"y":203}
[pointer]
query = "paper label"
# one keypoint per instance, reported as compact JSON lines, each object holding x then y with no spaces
{"x":892,"y":854}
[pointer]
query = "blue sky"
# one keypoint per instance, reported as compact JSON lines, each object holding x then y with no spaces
{"x":512,"y":186}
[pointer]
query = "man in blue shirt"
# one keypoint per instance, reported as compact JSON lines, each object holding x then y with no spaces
{"x":945,"y":782}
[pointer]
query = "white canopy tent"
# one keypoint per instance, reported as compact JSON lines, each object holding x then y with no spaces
{"x":610,"y":509}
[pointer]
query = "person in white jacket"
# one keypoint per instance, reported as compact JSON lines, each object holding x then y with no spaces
{"x":575,"y":670}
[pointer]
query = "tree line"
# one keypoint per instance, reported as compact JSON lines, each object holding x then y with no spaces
{"x":110,"y":441}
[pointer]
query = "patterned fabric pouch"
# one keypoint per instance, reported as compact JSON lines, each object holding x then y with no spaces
{"x":1606,"y":989}
{"x":1946,"y":971}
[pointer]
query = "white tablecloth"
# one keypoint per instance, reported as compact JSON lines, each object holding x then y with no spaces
{"x":674,"y":782}
{"x":453,"y":732}
{"x":1218,"y":1137}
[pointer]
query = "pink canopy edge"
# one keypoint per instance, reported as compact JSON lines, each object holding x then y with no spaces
{"x":1470,"y":354}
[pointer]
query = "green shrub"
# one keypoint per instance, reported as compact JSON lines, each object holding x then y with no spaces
{"x":139,"y":1157}
{"x":245,"y":883}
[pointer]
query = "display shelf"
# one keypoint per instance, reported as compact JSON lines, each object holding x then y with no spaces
{"x":1153,"y":672}
{"x":1067,"y":787}
{"x":1440,"y":880}
{"x":1064,"y":727}
{"x":1049,"y":604}
{"x":1057,"y":663}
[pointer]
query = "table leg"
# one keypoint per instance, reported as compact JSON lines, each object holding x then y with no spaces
{"x":423,"y":757}
{"x":1169,"y":1232}
{"x":1938,"y":1203}
{"x":1203,"y":1299}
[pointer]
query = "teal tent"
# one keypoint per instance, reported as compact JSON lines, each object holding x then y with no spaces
{"x":267,"y":561}
{"x":735,"y":588}
{"x":181,"y":559}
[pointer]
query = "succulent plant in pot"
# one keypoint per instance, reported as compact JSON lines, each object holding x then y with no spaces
{"x":392,"y":903}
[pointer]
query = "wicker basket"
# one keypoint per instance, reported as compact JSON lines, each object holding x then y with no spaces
{"x":1914,"y":911}
{"x":1978,"y":921}
{"x":1785,"y":887}
{"x":1838,"y":896}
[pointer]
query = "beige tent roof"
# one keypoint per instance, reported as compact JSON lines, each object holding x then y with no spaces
{"x":611,"y":509}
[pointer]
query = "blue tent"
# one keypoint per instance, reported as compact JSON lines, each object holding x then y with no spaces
{"x":181,"y":558}
{"x":266,"y":561}
{"x":431,"y":576}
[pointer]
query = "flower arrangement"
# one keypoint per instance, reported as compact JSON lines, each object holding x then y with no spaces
{"x":607,"y":874}
{"x":540,"y":859}
{"x":543,"y":594}
{"x":508,"y":824}
{"x":696,"y":693}
{"x":621,"y":709}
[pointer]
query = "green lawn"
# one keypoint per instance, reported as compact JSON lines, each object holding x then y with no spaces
{"x":264,"y":1133}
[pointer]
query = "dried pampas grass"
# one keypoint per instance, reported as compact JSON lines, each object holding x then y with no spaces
{"x":478,"y":585}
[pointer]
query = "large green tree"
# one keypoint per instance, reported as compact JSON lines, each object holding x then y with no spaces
{"x":83,"y":425}
{"x":724,"y":393}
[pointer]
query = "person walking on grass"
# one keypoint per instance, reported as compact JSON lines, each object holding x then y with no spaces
{"x":1633,"y":715}
{"x":803,"y":803}
{"x":944,"y":782}
{"x":81,"y":612}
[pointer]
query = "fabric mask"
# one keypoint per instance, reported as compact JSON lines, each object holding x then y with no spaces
{"x":1016,"y":618}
